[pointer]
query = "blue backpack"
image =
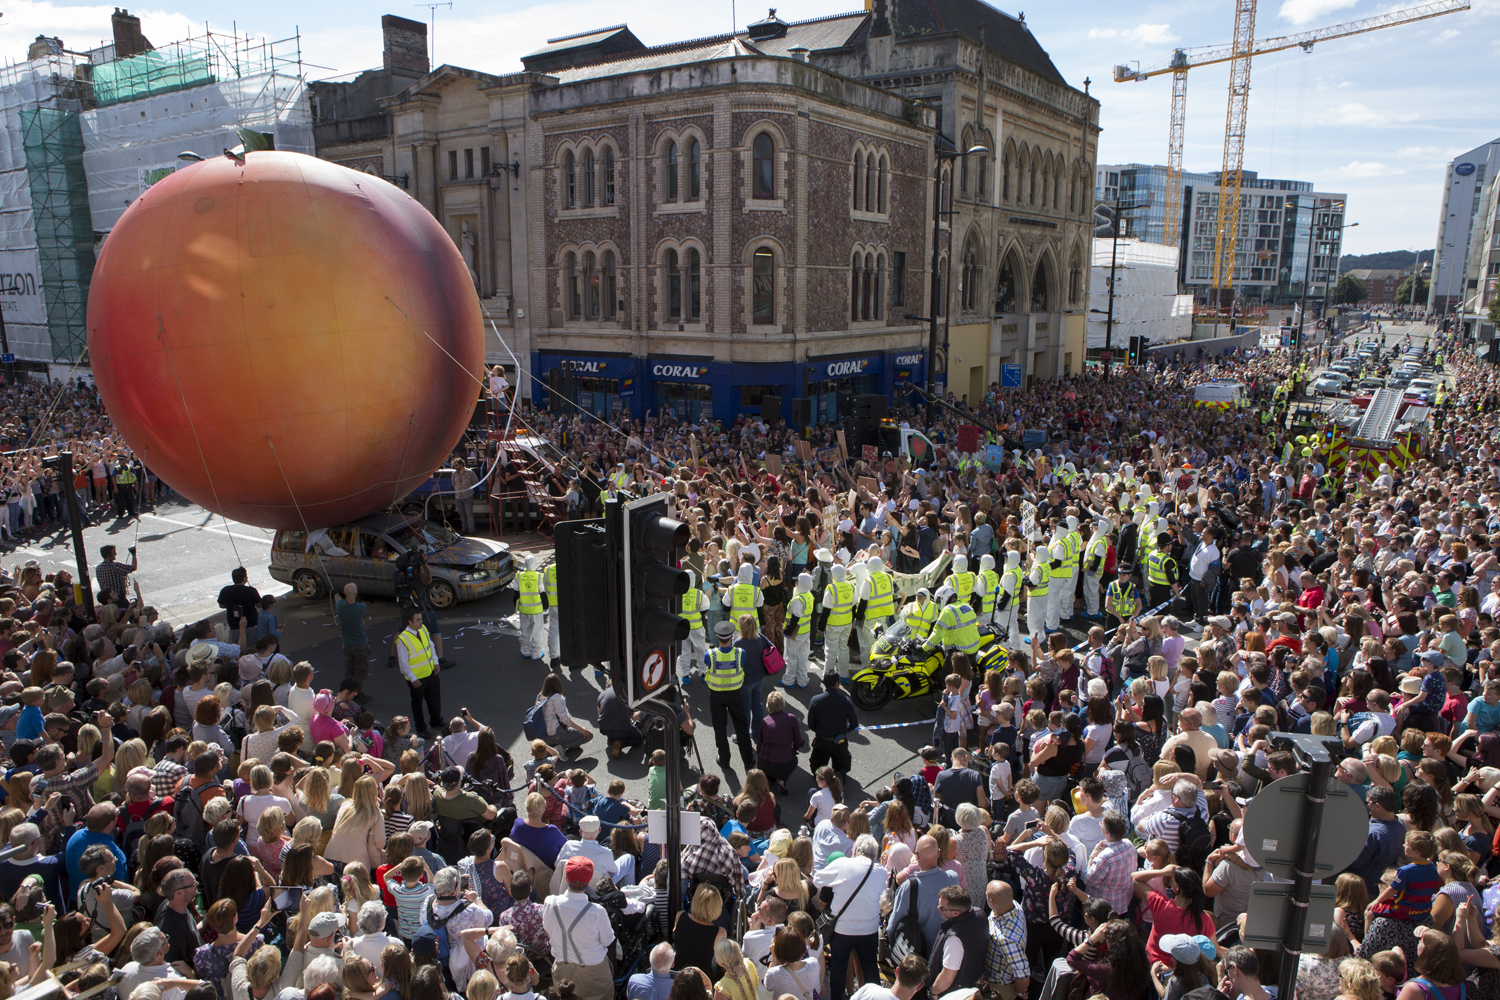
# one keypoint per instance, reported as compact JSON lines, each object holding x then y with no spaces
{"x":436,"y":929}
{"x":535,"y":723}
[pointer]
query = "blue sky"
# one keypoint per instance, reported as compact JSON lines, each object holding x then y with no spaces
{"x":1376,"y":116}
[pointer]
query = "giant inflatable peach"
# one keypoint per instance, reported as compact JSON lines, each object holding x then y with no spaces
{"x":284,"y":340}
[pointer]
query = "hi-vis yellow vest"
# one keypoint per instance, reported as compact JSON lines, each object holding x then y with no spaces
{"x":726,"y":669}
{"x":841,"y":611}
{"x":882,"y":602}
{"x":529,"y":592}
{"x":420,"y":655}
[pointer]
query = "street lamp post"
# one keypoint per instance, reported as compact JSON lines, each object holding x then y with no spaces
{"x":1312,"y":229}
{"x":933,"y":304}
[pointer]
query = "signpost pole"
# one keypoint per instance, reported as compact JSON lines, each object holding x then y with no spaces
{"x":1312,"y":821}
{"x":672,"y":745}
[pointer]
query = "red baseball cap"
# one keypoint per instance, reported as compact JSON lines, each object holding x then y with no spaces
{"x":579,"y":870}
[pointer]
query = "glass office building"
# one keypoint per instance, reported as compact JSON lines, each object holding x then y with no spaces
{"x":1280,"y":222}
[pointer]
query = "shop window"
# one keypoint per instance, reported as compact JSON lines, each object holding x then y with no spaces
{"x":588,"y":178}
{"x":694,"y":175}
{"x":610,"y":292}
{"x":671,"y":168}
{"x":570,"y":181}
{"x":898,"y":278}
{"x":764,"y":169}
{"x":609,"y":176}
{"x":763,"y":293}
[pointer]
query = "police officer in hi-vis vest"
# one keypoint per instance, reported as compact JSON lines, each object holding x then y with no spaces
{"x":919,"y":614}
{"x":797,"y":632}
{"x":694,"y":604}
{"x":530,"y":604}
{"x":724,"y":673}
{"x":418,"y":661}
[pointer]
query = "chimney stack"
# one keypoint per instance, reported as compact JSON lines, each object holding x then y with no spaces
{"x":128,"y":38}
{"x":880,"y":26}
{"x":405,"y":44}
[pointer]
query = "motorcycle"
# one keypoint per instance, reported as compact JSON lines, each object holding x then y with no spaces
{"x":901,"y":668}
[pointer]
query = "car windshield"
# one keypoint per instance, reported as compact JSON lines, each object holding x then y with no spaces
{"x":435,"y":535}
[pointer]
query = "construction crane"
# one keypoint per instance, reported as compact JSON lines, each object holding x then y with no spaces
{"x":1239,"y":53}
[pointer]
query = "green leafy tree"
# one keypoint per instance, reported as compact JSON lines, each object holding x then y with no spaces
{"x":1494,"y":310}
{"x":1403,"y":291}
{"x":1349,"y":290}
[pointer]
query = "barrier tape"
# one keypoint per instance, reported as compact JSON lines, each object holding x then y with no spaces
{"x":1077,"y":649}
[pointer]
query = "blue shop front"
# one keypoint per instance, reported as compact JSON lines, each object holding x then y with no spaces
{"x":696,"y":388}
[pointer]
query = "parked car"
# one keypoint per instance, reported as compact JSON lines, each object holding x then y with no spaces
{"x":1370,"y":384}
{"x":1330,"y":384}
{"x":365,"y":553}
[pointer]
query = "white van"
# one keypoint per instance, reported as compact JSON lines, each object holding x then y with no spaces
{"x":1224,"y":395}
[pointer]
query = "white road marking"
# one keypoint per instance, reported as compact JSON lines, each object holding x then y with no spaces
{"x":209,"y":527}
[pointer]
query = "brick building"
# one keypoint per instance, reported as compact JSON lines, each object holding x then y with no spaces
{"x":704,"y":224}
{"x":1380,"y":284}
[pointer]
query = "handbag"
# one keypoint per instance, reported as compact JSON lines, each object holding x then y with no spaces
{"x":904,"y":937}
{"x":827,"y":923}
{"x":771,"y":657}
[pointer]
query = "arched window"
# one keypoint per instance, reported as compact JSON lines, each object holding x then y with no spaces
{"x":1005,"y":174}
{"x":609,"y":176}
{"x":981,"y":183}
{"x":574,"y":295}
{"x":859,"y":182}
{"x":763,"y":290}
{"x":1039,"y":291}
{"x":694,"y":177}
{"x":1005,"y":287}
{"x":570,"y":181}
{"x":945,"y":192}
{"x":876,"y":303}
{"x":872,"y":184}
{"x":1073,"y":194}
{"x":968,"y":291}
{"x":588,"y":178}
{"x":883,"y":203}
{"x":1075,"y":276}
{"x":1031,"y":191}
{"x":1057,"y":184}
{"x":611,"y":296}
{"x":674,"y":286}
{"x":694,"y":286}
{"x":963,"y":169}
{"x":1046,"y":180}
{"x":671,"y":167}
{"x":590,"y":288}
{"x":856,"y":269}
{"x":764,"y":172}
{"x":867,"y":288}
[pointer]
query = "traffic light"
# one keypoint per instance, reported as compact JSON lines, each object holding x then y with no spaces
{"x":1133,"y":352}
{"x":586,"y":569}
{"x":1292,"y":339}
{"x":652,"y":590}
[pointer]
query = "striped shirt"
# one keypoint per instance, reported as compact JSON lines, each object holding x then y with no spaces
{"x":1414,"y":887}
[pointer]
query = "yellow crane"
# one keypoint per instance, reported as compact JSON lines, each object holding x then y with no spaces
{"x":1239,"y":53}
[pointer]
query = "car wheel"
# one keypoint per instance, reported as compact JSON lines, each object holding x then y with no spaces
{"x":309,"y":585}
{"x":441,"y":595}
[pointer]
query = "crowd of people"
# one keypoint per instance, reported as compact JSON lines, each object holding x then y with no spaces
{"x":1075,"y":829}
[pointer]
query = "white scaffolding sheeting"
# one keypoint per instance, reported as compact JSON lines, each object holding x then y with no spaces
{"x":124,"y":153}
{"x":1146,"y":302}
{"x":35,"y":83}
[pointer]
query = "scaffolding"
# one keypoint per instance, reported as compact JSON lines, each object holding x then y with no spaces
{"x":195,"y":62}
{"x":53,"y":145}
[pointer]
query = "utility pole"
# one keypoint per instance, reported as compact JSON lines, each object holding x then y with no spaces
{"x":1109,"y":309}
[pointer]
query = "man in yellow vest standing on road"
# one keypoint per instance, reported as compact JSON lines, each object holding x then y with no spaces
{"x":1094,"y":557}
{"x":724,"y":674}
{"x":743,"y":597}
{"x":1008,"y":600}
{"x":125,"y":488}
{"x":694,"y":604}
{"x":1037,"y":598}
{"x":530,"y":604}
{"x":797,"y":632}
{"x":836,"y":620}
{"x":877,"y":599}
{"x":418,"y":661}
{"x":554,"y":626}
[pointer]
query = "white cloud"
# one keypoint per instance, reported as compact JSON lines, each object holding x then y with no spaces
{"x":1143,"y":34}
{"x":1306,"y":11}
{"x":1358,"y":115}
{"x":1448,"y":36}
{"x":1438,"y":153}
{"x":82,"y":27}
{"x":1358,"y":170}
